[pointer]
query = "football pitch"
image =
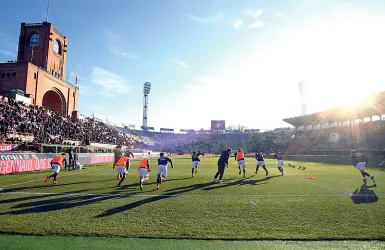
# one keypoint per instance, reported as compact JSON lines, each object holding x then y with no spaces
{"x":335,"y":205}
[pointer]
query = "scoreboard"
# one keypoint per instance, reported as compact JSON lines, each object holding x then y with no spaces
{"x":218,"y":125}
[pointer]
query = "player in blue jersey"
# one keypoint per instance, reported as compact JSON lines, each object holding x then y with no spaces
{"x":162,"y":169}
{"x":279,"y":157}
{"x":360,"y":161}
{"x":195,"y":162}
{"x":223,"y":161}
{"x":260,"y":162}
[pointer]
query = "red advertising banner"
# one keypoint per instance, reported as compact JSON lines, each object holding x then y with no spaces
{"x":7,"y":147}
{"x":17,"y":163}
{"x":11,"y":163}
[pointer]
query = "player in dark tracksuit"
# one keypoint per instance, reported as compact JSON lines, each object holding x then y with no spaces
{"x":195,"y":162}
{"x":382,"y":164}
{"x":223,"y":161}
{"x":260,"y":162}
{"x":71,"y":160}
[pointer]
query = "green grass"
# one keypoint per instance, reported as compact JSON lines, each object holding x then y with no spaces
{"x":289,"y":207}
{"x":11,"y":242}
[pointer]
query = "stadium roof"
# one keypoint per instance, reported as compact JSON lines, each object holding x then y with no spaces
{"x":374,"y":105}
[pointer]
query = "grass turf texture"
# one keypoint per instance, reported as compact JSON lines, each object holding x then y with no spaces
{"x":11,"y":242}
{"x":258,"y":207}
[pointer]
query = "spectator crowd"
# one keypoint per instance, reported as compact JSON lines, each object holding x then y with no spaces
{"x":46,"y":126}
{"x":21,"y":122}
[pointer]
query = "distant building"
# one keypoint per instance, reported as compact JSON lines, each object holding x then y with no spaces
{"x":40,"y":69}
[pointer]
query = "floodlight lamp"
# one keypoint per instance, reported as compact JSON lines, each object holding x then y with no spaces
{"x":146,"y":88}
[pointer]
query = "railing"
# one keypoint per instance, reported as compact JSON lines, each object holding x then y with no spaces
{"x":57,"y":148}
{"x":73,"y":142}
{"x":24,"y":137}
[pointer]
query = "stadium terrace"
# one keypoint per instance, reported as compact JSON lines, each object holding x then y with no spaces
{"x":373,"y":106}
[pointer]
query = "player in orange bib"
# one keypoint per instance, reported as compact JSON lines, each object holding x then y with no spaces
{"x":57,"y":163}
{"x":117,"y":154}
{"x":144,"y":171}
{"x":241,"y":162}
{"x":121,"y":166}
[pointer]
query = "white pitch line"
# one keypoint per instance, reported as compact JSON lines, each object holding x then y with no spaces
{"x":253,"y":203}
{"x":182,"y":195}
{"x":61,"y":176}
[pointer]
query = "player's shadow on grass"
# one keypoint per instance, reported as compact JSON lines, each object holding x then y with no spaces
{"x":135,"y":185}
{"x":47,"y":185}
{"x":66,"y":202}
{"x":169,"y":194}
{"x":245,"y":181}
{"x":35,"y":197}
{"x":57,"y":204}
{"x":364,"y":194}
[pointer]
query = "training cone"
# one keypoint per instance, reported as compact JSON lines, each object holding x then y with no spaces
{"x":310,"y":177}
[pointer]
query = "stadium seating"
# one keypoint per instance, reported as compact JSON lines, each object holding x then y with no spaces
{"x":29,"y":123}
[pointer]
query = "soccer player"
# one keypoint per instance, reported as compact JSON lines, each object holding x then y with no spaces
{"x":195,"y":162}
{"x":129,"y":154}
{"x":144,"y":170}
{"x":223,"y":161}
{"x":71,"y":159}
{"x":360,"y":161}
{"x":382,"y":164}
{"x":57,"y":163}
{"x":117,"y":155}
{"x":162,"y":169}
{"x":260,"y":162}
{"x":279,"y":157}
{"x":121,"y":166}
{"x":235,"y":156}
{"x":241,"y":162}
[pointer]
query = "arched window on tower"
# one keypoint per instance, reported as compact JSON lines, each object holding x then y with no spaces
{"x":57,"y":47}
{"x":34,"y":41}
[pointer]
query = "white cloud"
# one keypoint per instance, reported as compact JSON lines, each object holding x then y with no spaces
{"x":7,"y":53}
{"x":279,"y":13}
{"x":112,"y":37}
{"x":181,"y":63}
{"x":238,"y":23}
{"x":116,"y":46}
{"x":97,"y":108}
{"x":79,"y":66}
{"x":207,"y":20}
{"x":106,"y":94}
{"x":256,"y":24}
{"x":117,"y":51}
{"x":253,"y":13}
{"x":109,"y":83}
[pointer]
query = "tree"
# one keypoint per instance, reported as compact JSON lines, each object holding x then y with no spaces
{"x":231,"y":127}
{"x":241,"y":128}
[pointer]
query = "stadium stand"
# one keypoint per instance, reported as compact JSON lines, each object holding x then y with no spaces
{"x":341,"y":129}
{"x":333,"y":130}
{"x":29,"y":123}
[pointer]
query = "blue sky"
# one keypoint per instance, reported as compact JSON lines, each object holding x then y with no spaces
{"x":239,"y":61}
